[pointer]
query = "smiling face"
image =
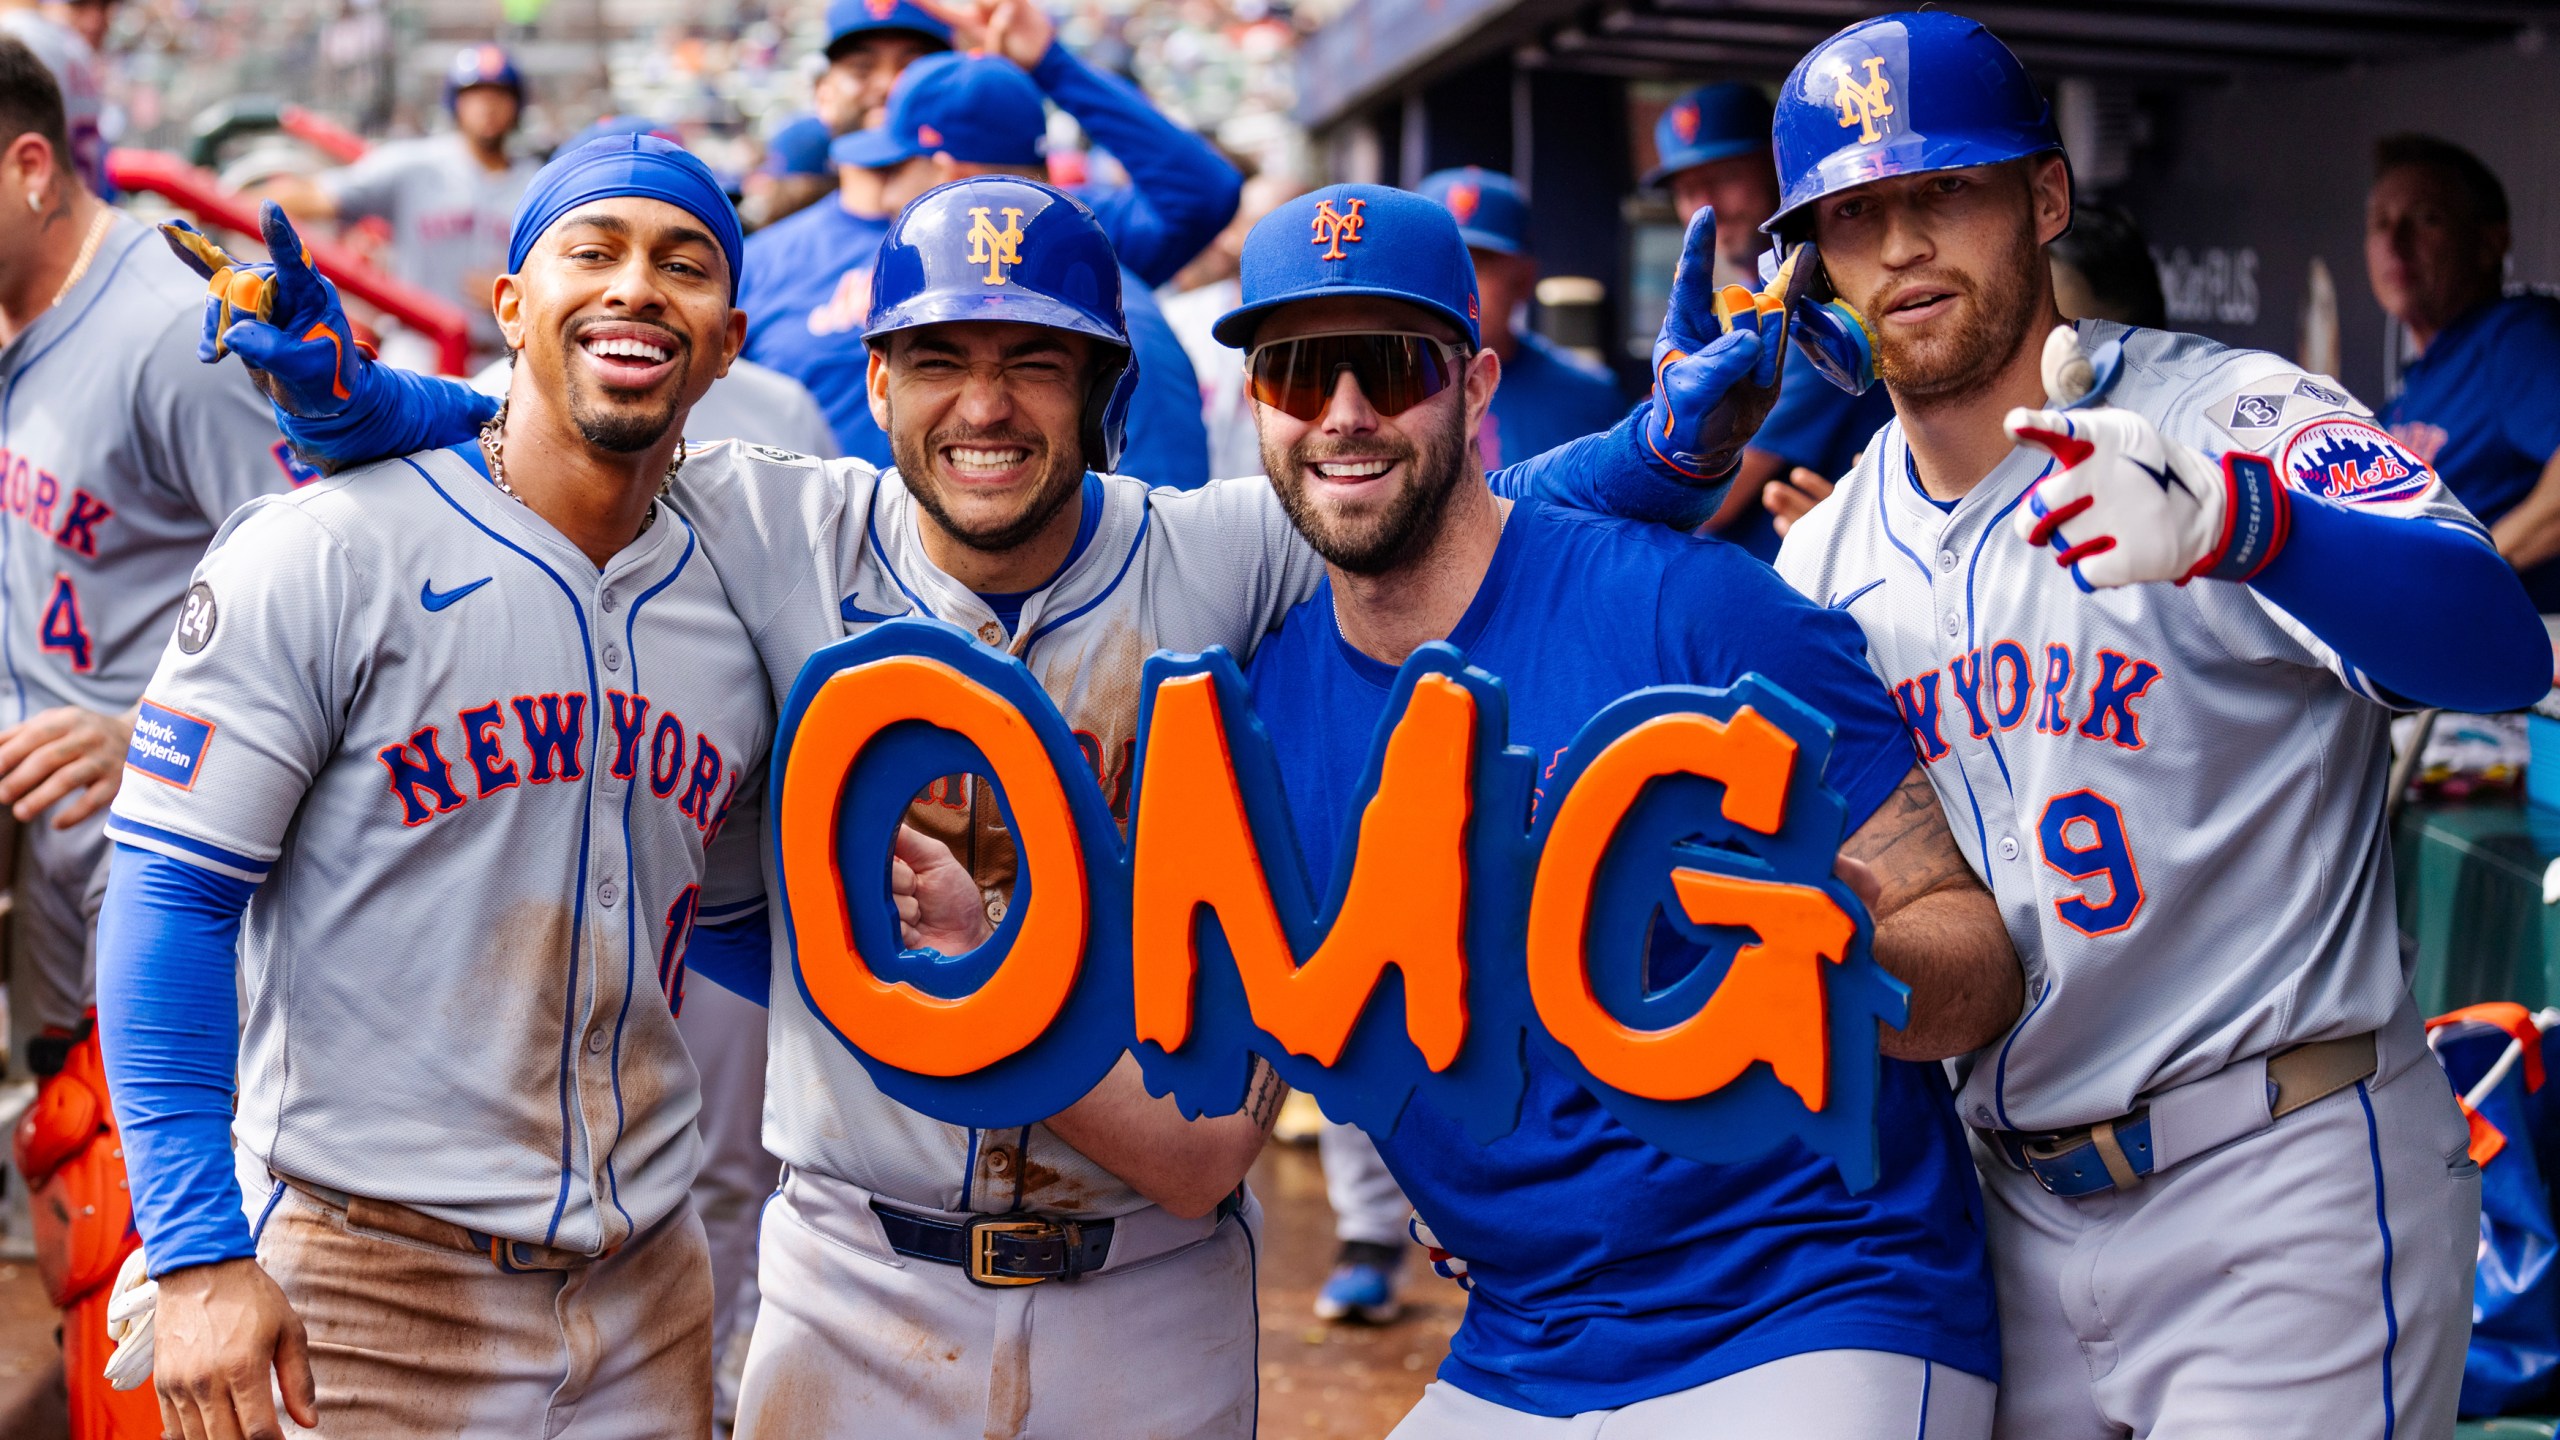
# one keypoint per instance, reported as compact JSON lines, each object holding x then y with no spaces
{"x":986,"y":422}
{"x":621,"y":318}
{"x":1946,"y":267}
{"x":1369,"y":490}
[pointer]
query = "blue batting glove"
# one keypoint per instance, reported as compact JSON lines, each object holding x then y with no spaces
{"x":1716,"y":362}
{"x":1827,"y":329}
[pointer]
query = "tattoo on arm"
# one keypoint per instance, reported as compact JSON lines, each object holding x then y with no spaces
{"x":1909,"y":847}
{"x":1263,"y":1094}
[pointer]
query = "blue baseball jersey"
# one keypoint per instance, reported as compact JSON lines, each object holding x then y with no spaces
{"x":1817,"y":425}
{"x":805,"y":284}
{"x":1608,"y":1271}
{"x":2483,"y":407}
{"x":1548,"y":396}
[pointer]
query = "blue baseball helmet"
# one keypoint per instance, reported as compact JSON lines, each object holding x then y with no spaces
{"x":1902,"y":94}
{"x":1709,"y":123}
{"x":482,"y":65}
{"x":994,"y":247}
{"x":851,"y":19}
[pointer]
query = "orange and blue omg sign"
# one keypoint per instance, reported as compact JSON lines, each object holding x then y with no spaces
{"x":1460,"y":927}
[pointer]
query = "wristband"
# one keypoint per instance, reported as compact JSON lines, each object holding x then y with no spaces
{"x":2257,"y":518}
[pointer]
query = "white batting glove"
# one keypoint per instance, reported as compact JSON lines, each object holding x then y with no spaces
{"x":132,"y":1307}
{"x":1444,"y":1264}
{"x":2141,"y":507}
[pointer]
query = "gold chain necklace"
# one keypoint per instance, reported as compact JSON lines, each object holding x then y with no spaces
{"x":493,"y":443}
{"x":88,"y":250}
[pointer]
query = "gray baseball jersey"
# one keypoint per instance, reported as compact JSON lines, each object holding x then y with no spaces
{"x":812,"y":553}
{"x":449,"y":216}
{"x":122,"y":456}
{"x":488,"y":789}
{"x":2174,"y":792}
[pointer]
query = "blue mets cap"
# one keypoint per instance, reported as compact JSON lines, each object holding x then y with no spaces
{"x":799,"y":148}
{"x":849,"y":19}
{"x":1355,"y":240}
{"x":1711,"y":122}
{"x":1487,"y":204}
{"x":977,"y":109}
{"x":481,"y":65}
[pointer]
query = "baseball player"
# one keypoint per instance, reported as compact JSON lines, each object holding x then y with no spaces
{"x":122,"y":455}
{"x":473,"y":741}
{"x":1082,"y":575}
{"x":1554,"y":395}
{"x":72,"y":56}
{"x":1711,"y":150}
{"x":447,"y":196}
{"x":809,"y":278}
{"x":2141,"y":648}
{"x":957,"y":115}
{"x":1618,"y":1289}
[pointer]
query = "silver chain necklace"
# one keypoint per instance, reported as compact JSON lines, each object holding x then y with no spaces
{"x":493,"y":444}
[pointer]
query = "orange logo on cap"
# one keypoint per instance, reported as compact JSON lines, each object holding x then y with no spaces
{"x":1684,"y":121}
{"x":881,"y":9}
{"x":1335,"y":228}
{"x":1462,"y":201}
{"x":927,"y":135}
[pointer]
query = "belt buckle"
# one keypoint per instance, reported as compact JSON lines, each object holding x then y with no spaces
{"x":982,"y":1235}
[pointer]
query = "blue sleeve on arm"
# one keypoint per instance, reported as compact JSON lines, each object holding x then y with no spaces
{"x":2475,"y":644}
{"x":1181,"y":191}
{"x":169,"y":1024}
{"x":736,"y":956}
{"x":1612,"y":474}
{"x":399,"y":414}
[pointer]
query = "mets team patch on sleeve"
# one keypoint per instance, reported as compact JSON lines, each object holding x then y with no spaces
{"x":168,"y":745}
{"x":2351,"y":460}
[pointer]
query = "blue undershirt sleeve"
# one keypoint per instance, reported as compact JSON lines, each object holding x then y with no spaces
{"x":400,"y":414}
{"x":1181,"y":191}
{"x":736,"y":956}
{"x":1610,"y":474}
{"x":169,"y":1025}
{"x":2475,"y":644}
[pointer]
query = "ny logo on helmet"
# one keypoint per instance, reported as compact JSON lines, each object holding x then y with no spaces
{"x":1863,"y":105}
{"x":1335,"y":229}
{"x":992,"y":247}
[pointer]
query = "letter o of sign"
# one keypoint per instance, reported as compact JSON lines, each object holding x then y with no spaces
{"x":892,"y":1021}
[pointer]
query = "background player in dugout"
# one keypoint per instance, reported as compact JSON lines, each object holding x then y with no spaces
{"x":128,"y":454}
{"x":2226,"y":1187}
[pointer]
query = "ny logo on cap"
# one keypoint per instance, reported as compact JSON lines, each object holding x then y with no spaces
{"x":881,"y":9}
{"x":1863,"y":105}
{"x":1684,"y":120}
{"x":1462,"y":201}
{"x":992,"y":247}
{"x":1336,"y":229}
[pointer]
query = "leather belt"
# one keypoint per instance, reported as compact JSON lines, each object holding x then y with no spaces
{"x":516,"y":1257}
{"x":2115,"y":1154}
{"x":1001,"y":1251}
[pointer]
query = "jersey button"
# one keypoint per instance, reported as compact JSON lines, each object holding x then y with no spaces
{"x":1946,"y":561}
{"x":1953,"y":626}
{"x":2008,"y":847}
{"x":995,"y":909}
{"x":611,"y":602}
{"x":597,"y":1040}
{"x":613,"y":653}
{"x":992,"y":633}
{"x":608,"y":892}
{"x":1000,"y":1162}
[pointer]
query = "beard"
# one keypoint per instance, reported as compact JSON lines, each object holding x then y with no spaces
{"x":1061,"y":477}
{"x":1410,"y":520}
{"x":1979,"y":342}
{"x":620,"y":430}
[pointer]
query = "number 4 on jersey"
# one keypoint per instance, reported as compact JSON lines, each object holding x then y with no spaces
{"x":62,"y":633}
{"x":2082,"y":835}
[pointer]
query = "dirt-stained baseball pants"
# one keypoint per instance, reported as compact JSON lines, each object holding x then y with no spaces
{"x":856,"y":1341}
{"x":411,"y":1341}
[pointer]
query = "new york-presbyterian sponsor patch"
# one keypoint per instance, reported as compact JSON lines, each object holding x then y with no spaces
{"x":168,"y":745}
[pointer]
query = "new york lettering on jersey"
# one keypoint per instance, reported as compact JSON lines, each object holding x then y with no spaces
{"x":2094,"y":750}
{"x":486,"y":785}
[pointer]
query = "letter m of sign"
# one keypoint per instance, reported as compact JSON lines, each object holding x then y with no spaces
{"x":992,"y":247}
{"x":1863,"y":105}
{"x":1336,"y":228}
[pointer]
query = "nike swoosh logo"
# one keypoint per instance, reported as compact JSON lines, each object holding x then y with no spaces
{"x":434,"y":599}
{"x":1845,"y":601}
{"x":856,"y":615}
